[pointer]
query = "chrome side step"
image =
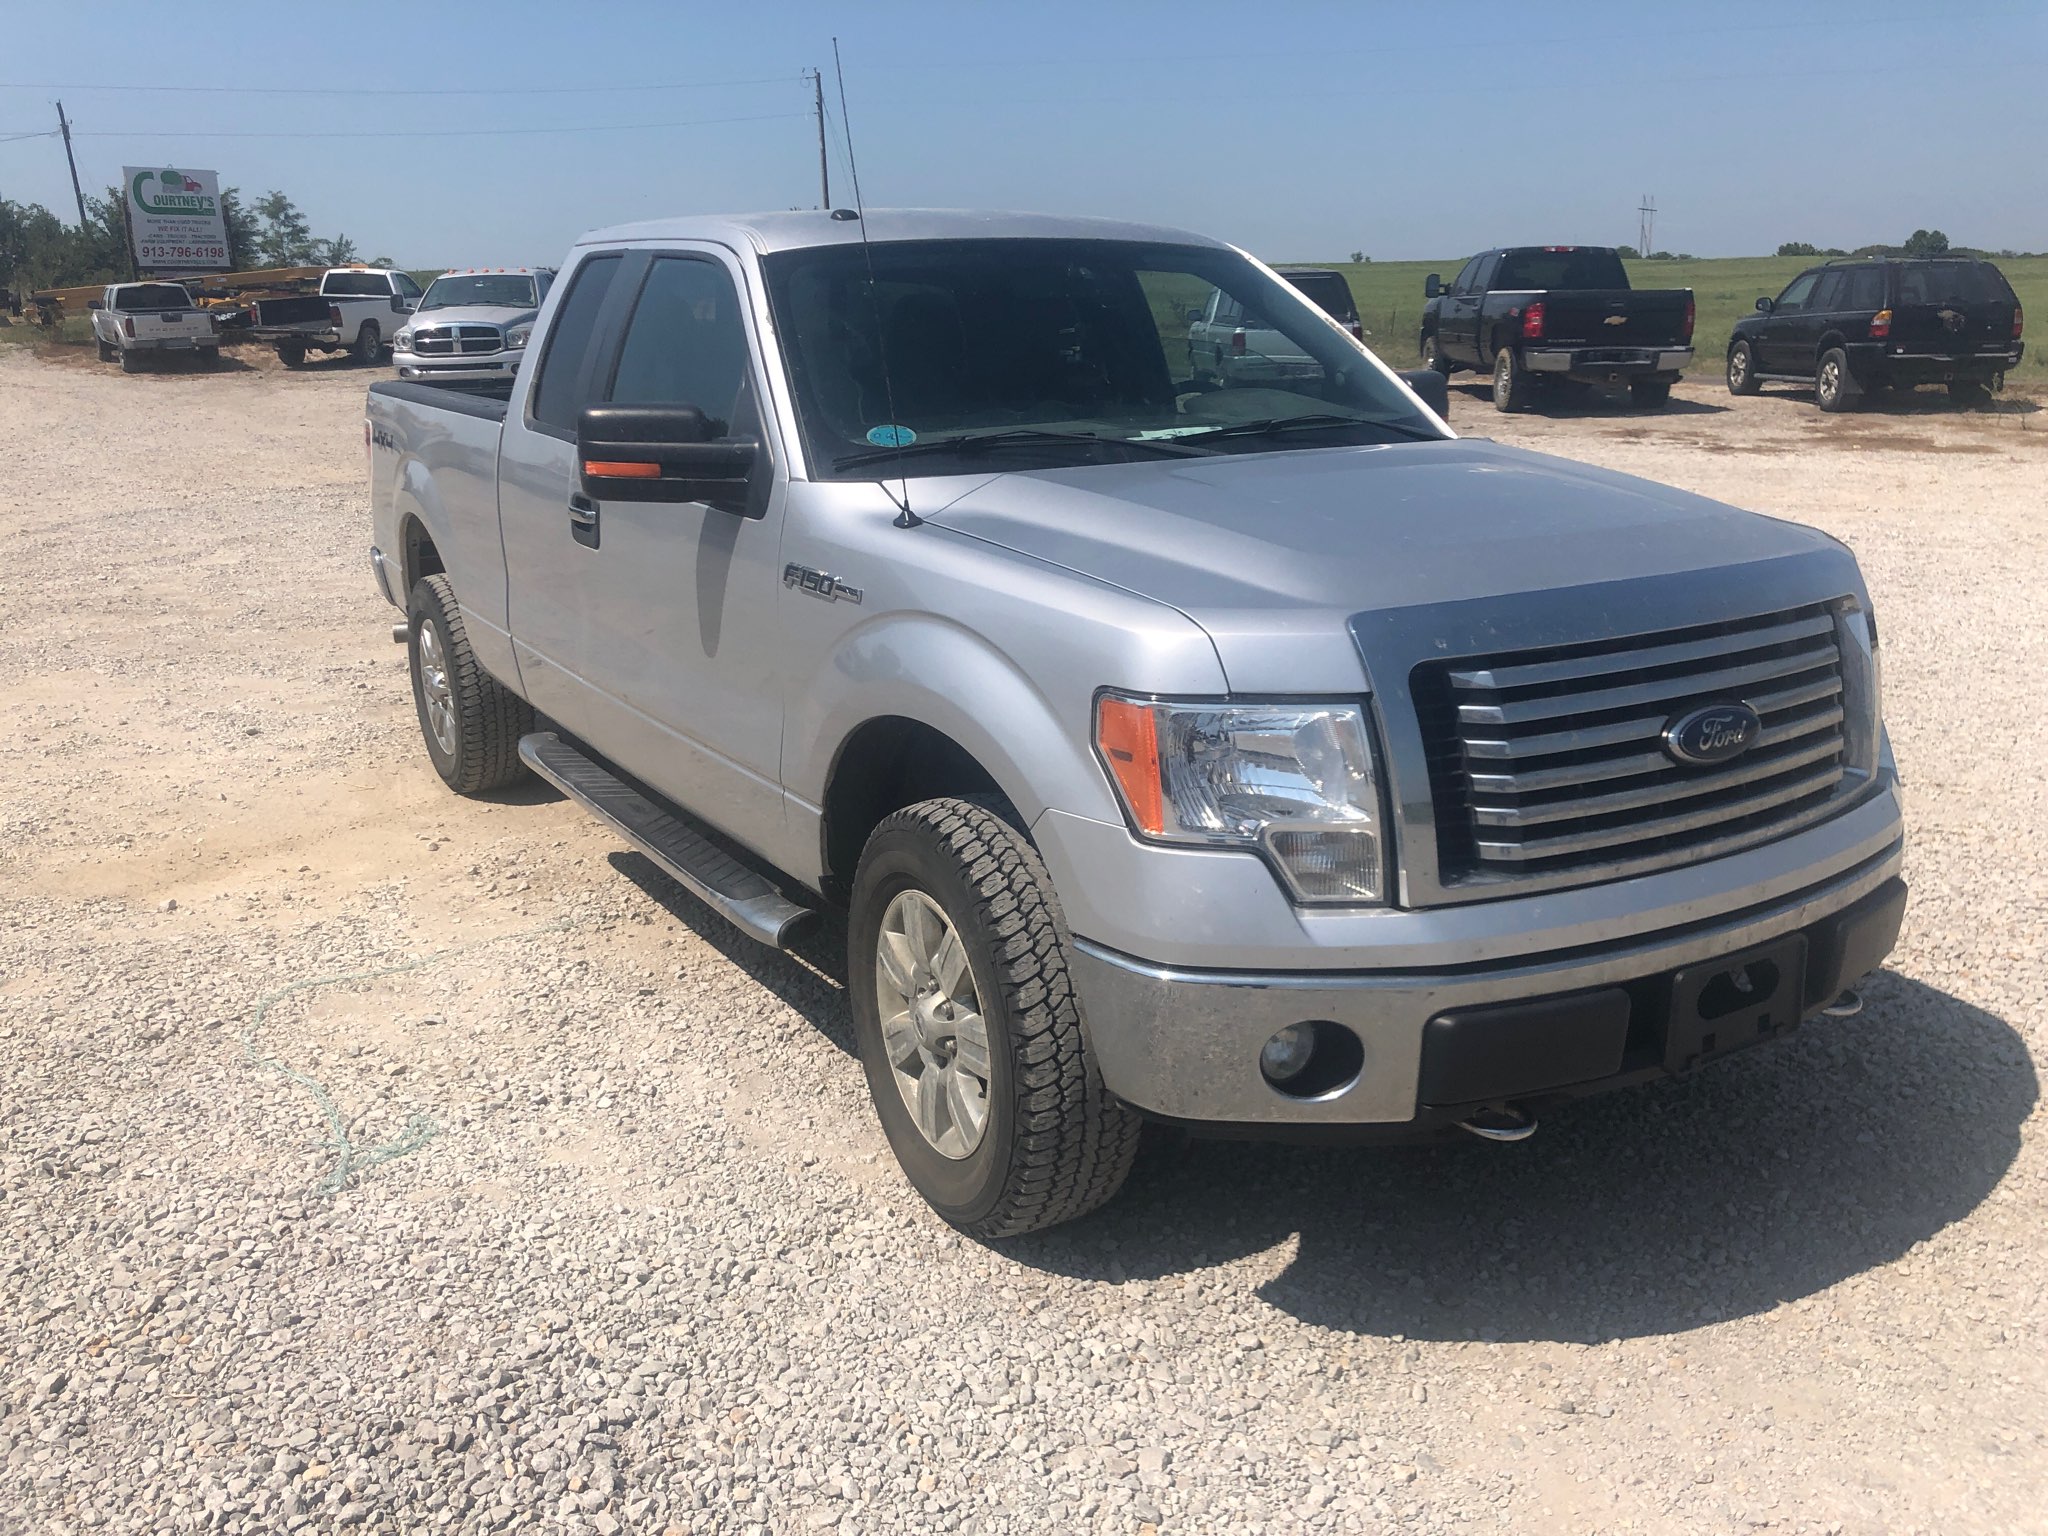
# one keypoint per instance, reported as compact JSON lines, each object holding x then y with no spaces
{"x":685,"y":854}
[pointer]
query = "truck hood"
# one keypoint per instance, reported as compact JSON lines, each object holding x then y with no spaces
{"x":1275,"y":554}
{"x":473,"y":314}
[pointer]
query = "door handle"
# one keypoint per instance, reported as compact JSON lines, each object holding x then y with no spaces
{"x":582,"y":511}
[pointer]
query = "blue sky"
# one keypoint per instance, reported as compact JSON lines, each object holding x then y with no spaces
{"x":1299,"y":130}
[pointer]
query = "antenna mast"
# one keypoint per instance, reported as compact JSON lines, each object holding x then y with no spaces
{"x":1646,"y":223}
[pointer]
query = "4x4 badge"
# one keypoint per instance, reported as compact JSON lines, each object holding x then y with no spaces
{"x":819,"y":584}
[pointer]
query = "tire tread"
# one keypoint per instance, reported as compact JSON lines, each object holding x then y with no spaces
{"x":490,"y":718}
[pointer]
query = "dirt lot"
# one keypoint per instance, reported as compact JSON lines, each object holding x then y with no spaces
{"x":617,"y":1244}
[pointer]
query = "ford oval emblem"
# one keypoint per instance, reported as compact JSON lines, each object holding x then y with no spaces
{"x":1713,"y":734}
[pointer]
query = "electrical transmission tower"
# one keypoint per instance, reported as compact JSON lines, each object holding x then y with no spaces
{"x":1646,"y":212}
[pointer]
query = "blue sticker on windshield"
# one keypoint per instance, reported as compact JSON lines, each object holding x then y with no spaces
{"x":891,"y":437}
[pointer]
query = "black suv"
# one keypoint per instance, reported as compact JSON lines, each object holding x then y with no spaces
{"x":1857,"y":326}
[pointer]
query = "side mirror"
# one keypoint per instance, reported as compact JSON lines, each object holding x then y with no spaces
{"x":1764,"y":306}
{"x":1195,"y":316}
{"x":663,"y":453}
{"x":397,"y":304}
{"x":1432,"y":386}
{"x":1432,"y":285}
{"x":94,"y":304}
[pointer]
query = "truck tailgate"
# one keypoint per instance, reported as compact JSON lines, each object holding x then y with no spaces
{"x":1616,"y":317}
{"x":299,"y":309}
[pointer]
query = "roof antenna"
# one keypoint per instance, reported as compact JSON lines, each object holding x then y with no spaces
{"x":905,"y":518}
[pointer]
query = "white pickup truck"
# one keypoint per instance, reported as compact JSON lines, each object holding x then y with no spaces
{"x":355,"y":308}
{"x":132,"y":320}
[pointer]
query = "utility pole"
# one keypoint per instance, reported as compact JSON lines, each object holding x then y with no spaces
{"x":824,"y":166}
{"x":64,"y":127}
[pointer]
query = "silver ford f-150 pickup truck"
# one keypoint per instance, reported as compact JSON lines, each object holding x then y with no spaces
{"x":1264,"y":759}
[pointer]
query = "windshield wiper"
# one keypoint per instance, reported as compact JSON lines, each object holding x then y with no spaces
{"x":1273,"y":426}
{"x":1022,"y":437}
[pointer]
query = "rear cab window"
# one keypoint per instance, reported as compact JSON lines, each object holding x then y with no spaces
{"x":357,"y":285}
{"x":1582,"y":267}
{"x":143,"y":298}
{"x":1953,"y":282}
{"x":1327,"y":291}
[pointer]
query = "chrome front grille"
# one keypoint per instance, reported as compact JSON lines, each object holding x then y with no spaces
{"x":450,"y":340}
{"x":1551,"y":763}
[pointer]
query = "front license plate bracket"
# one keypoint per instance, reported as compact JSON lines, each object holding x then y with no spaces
{"x":1723,"y":1005}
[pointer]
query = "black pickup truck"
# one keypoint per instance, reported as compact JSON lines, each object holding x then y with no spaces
{"x":1535,"y":313}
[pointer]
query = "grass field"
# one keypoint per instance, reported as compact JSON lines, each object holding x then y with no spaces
{"x":1390,"y":301}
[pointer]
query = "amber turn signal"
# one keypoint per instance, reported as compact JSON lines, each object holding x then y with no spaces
{"x":1128,"y":734}
{"x":620,"y":469}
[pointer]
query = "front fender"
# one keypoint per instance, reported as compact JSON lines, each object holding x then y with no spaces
{"x":937,"y":672}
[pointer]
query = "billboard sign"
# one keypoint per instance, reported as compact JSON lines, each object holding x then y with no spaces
{"x":174,"y":220}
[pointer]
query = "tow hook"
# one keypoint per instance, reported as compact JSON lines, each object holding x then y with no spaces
{"x":1500,"y":1122}
{"x":400,"y":633}
{"x":1847,"y":1006}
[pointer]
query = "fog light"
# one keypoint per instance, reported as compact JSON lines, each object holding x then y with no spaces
{"x":1288,"y":1052}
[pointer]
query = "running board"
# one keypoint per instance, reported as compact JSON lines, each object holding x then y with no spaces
{"x":700,"y":866}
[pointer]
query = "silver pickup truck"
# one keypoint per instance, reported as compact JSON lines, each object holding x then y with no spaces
{"x":1262,"y":759}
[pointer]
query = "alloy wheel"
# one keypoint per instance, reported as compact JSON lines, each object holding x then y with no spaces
{"x":933,"y":1031}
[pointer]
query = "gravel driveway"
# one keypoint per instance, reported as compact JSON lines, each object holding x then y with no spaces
{"x":602,"y":1235}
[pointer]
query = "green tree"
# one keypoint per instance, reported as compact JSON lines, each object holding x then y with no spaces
{"x":1926,"y":242}
{"x":284,"y":238}
{"x":1797,"y":248}
{"x":241,"y":230}
{"x":338,"y":252}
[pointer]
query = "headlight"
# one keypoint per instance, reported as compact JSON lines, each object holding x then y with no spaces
{"x":402,"y":341}
{"x":515,"y":339}
{"x":1293,"y":781}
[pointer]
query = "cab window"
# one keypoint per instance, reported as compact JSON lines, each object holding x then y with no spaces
{"x":1795,"y":297}
{"x":563,"y":388}
{"x":686,"y":343}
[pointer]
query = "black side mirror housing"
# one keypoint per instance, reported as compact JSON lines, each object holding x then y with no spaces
{"x":1194,"y":317}
{"x":664,"y":453}
{"x":1432,"y":285}
{"x":1432,"y":386}
{"x":1764,"y":306}
{"x":94,"y":304}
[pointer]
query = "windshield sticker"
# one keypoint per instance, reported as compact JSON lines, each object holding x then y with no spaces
{"x":891,"y":437}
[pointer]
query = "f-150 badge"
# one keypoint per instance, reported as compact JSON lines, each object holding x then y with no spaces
{"x":819,"y":584}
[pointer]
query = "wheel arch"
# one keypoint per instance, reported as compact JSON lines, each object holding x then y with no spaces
{"x":886,"y":763}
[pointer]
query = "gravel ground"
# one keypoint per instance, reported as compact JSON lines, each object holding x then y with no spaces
{"x":617,"y":1244}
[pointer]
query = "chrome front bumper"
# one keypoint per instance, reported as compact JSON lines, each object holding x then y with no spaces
{"x":467,"y":370}
{"x":1185,"y":1043}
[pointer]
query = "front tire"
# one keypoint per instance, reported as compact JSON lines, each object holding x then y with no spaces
{"x":1510,"y":382}
{"x":969,"y":1029}
{"x":469,"y":720}
{"x":1834,"y":386}
{"x":1742,"y":379}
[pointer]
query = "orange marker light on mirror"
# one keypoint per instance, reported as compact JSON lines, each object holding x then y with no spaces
{"x":1128,"y":735}
{"x":617,"y":469}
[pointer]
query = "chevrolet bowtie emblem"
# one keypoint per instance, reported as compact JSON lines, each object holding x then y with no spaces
{"x":1617,"y":320}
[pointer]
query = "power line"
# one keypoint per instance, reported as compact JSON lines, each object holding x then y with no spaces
{"x":427,"y":133}
{"x":605,"y":88}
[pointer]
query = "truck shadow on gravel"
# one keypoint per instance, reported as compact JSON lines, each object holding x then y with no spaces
{"x":1565,"y":404}
{"x":1766,"y":1179}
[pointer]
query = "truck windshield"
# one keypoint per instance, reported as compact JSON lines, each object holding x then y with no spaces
{"x":493,"y":290}
{"x":1583,"y":266}
{"x":148,"y":296}
{"x":1061,"y":350}
{"x":357,"y":285}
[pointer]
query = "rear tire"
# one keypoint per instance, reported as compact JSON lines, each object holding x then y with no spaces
{"x":1650,"y":394}
{"x":291,"y":353}
{"x":1510,"y":382}
{"x":1051,"y":1142}
{"x":369,"y":347}
{"x":469,"y":720}
{"x":131,"y":360}
{"x":1834,"y":386}
{"x":1742,"y":379}
{"x":1969,"y":393}
{"x":1433,"y":357}
{"x":107,"y":353}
